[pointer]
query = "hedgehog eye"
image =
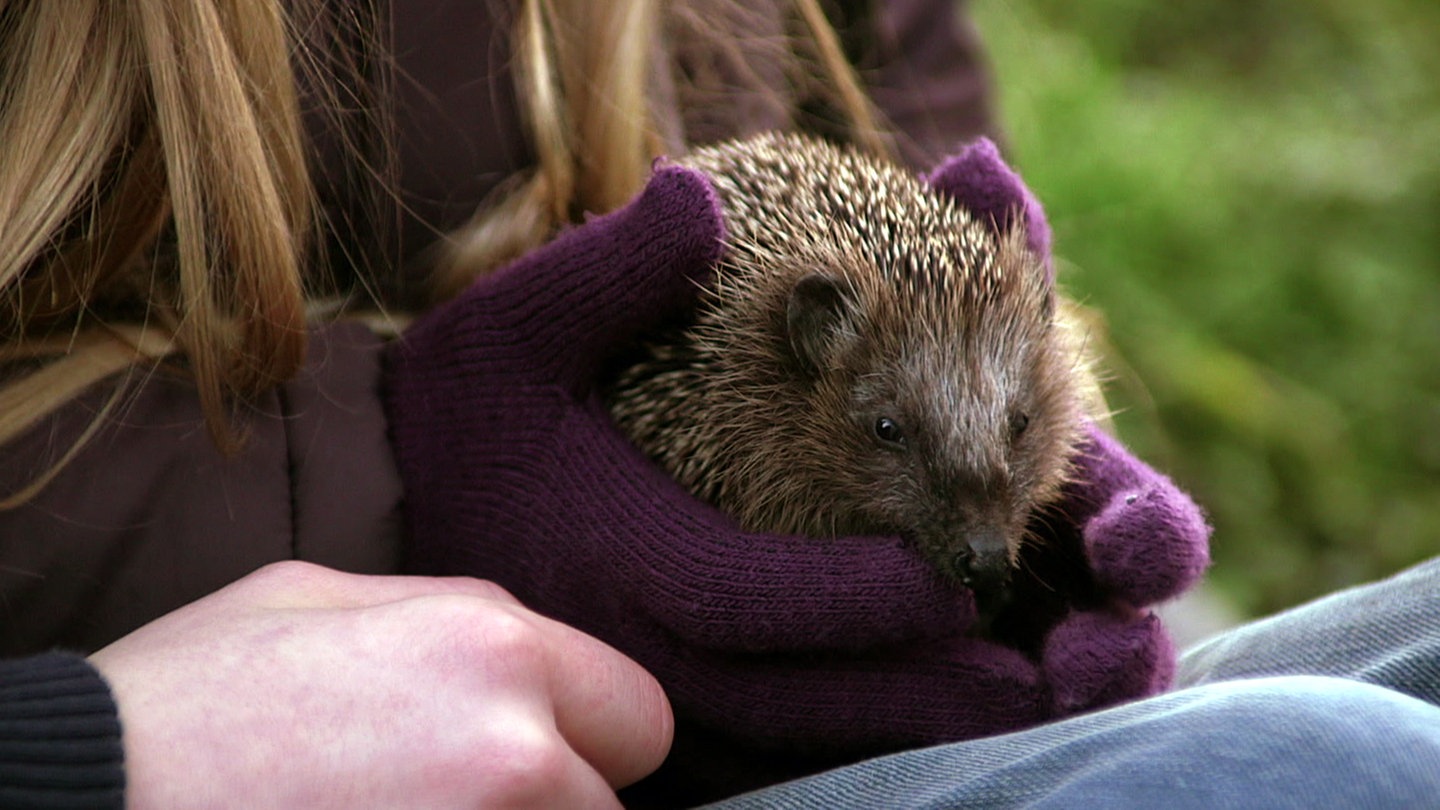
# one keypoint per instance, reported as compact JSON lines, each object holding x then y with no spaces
{"x":1018,"y":422}
{"x":888,"y":430}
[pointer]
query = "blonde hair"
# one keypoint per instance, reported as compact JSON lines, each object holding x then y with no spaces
{"x":154,"y":198}
{"x":157,"y":211}
{"x":602,"y":99}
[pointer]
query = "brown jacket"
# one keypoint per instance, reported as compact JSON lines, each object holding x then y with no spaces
{"x":149,"y":516}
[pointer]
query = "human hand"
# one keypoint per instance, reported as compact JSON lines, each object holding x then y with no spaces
{"x":1140,"y":541}
{"x":304,"y":687}
{"x":825,"y":650}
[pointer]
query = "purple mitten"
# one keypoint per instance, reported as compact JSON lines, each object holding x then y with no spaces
{"x":1144,"y":541}
{"x":978,"y":178}
{"x":781,"y":655}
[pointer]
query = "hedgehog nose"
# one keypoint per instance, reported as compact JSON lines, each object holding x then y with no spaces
{"x":984,"y":563}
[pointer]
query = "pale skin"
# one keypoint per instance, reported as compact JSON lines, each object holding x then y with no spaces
{"x":299,"y":686}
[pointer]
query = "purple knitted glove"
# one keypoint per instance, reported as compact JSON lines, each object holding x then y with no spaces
{"x":781,"y":655}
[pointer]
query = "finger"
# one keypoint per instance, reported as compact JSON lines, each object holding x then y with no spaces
{"x":583,"y":786}
{"x":979,"y":180}
{"x":1148,"y":546}
{"x":607,"y":708}
{"x":1146,"y":540}
{"x":1104,"y":470}
{"x":857,"y":705}
{"x":770,"y":592}
{"x":611,"y":711}
{"x":599,"y":284}
{"x":537,"y":770}
{"x":690,"y":567}
{"x":1094,"y":659}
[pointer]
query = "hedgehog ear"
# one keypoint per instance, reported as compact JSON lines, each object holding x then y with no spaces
{"x":980,"y":181}
{"x":819,"y":313}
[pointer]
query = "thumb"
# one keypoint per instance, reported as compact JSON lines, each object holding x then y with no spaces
{"x":598,"y":285}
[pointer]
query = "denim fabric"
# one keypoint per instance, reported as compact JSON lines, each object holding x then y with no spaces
{"x":1386,"y":633}
{"x":1252,"y":724}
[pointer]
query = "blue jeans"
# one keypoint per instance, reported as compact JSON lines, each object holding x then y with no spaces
{"x":1334,"y":704}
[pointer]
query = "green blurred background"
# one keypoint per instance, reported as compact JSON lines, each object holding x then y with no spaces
{"x":1248,"y":193}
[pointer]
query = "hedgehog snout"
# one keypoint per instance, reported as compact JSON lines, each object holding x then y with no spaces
{"x":982,"y":562}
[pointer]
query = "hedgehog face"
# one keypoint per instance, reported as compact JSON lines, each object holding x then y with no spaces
{"x":957,"y":427}
{"x":980,"y":454}
{"x":953,"y":454}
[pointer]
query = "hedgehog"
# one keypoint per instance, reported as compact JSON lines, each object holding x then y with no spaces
{"x":868,"y":357}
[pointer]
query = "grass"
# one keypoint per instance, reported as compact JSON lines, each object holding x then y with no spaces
{"x":1249,"y":195}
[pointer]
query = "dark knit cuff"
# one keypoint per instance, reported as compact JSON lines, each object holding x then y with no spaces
{"x":59,"y":735}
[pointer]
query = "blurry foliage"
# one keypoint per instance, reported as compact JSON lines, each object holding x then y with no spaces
{"x":1249,"y":194}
